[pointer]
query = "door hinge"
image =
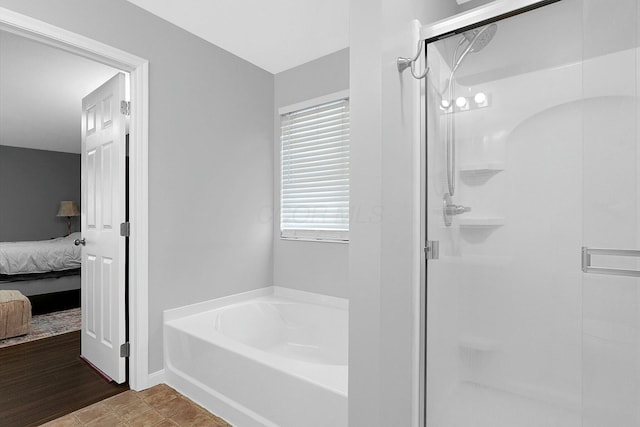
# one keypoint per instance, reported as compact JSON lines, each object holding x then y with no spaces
{"x":125,"y":107}
{"x":432,"y":249}
{"x":125,"y":229}
{"x":125,"y":350}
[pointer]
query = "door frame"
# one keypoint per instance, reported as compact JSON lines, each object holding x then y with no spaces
{"x":138,"y":69}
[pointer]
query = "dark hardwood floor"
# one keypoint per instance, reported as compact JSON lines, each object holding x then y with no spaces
{"x":45,"y":379}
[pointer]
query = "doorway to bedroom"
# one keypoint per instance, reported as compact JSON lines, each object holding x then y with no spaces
{"x":41,"y":192}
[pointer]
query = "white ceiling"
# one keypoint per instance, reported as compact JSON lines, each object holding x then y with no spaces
{"x":274,"y":35}
{"x":41,"y":90}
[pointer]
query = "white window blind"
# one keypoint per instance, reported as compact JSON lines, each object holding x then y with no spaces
{"x":315,"y":172}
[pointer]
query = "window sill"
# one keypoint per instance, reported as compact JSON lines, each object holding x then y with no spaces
{"x":309,"y":239}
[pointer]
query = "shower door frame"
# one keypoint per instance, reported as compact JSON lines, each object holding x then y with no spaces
{"x":457,"y":24}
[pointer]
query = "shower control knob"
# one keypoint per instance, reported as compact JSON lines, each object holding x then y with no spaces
{"x":456,"y":209}
{"x":449,"y":209}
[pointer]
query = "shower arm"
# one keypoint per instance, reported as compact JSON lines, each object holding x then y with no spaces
{"x":404,"y":63}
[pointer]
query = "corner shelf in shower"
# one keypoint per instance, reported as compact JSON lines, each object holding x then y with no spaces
{"x":485,"y":168}
{"x":480,"y":221}
{"x":477,"y":344}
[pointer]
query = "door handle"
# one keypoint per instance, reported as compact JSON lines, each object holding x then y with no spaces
{"x":588,"y":268}
{"x":79,"y":242}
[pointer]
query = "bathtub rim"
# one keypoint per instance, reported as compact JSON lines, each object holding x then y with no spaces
{"x":276,"y":291}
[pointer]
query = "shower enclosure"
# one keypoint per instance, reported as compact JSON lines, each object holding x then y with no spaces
{"x":533,"y":201}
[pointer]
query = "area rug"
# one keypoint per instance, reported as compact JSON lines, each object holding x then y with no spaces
{"x":48,"y":325}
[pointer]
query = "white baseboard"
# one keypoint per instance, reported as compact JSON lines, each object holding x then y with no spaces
{"x":156,"y":378}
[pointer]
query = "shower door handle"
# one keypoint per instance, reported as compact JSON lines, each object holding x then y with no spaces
{"x":588,"y":268}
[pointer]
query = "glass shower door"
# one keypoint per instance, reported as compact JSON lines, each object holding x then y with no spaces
{"x":532,"y":154}
{"x":611,"y":211}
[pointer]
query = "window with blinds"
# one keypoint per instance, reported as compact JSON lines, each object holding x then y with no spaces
{"x":315,"y":172}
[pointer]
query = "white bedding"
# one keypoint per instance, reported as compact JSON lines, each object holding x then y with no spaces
{"x":40,"y":256}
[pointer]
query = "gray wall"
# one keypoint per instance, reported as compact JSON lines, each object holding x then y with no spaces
{"x":32,"y":184}
{"x":319,"y":267}
{"x":210,"y":151}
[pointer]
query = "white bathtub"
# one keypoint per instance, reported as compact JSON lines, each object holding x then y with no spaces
{"x":271,"y":357}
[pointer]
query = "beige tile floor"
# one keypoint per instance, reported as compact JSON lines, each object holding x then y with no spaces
{"x":159,"y":406}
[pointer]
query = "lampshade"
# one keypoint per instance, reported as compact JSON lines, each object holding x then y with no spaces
{"x":68,"y":208}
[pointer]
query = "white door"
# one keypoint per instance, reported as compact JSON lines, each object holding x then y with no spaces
{"x":103,"y":209}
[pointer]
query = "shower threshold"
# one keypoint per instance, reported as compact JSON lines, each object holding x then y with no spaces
{"x":479,"y":406}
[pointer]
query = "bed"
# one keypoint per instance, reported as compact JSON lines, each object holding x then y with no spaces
{"x":46,"y":271}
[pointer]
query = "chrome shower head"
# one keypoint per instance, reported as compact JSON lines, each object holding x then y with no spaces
{"x":479,"y":38}
{"x":476,"y":40}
